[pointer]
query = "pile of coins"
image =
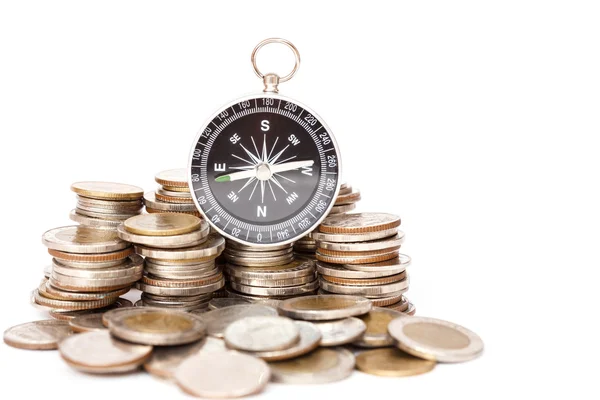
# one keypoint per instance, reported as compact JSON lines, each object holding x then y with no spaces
{"x":105,"y":204}
{"x":358,"y":254}
{"x":260,"y":273}
{"x":180,"y":271}
{"x":173,"y":195}
{"x":91,"y":268}
{"x":344,"y":202}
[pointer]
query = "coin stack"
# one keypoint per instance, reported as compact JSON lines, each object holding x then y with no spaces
{"x":344,"y":202}
{"x":180,"y":271}
{"x":258,"y":273}
{"x":358,"y":254}
{"x":173,"y":196}
{"x":91,"y":268}
{"x":105,"y":204}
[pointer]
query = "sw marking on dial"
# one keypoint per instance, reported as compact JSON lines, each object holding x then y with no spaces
{"x":265,"y":170}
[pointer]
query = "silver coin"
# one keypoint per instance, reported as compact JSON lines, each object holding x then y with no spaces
{"x":275,"y":291}
{"x":87,"y":323}
{"x":151,"y":201}
{"x":182,"y":264}
{"x":202,"y":297}
{"x":185,"y":308}
{"x":319,"y":366}
{"x":257,"y":254}
{"x":194,"y":238}
{"x":353,"y":237}
{"x":83,"y":240}
{"x":213,"y":246}
{"x":359,"y":222}
{"x":398,"y":264}
{"x":244,"y":247}
{"x":182,"y":275}
{"x":158,"y":328}
{"x":377,"y":321}
{"x":294,"y":269}
{"x":435,"y":339}
{"x":47,"y":271}
{"x":218,"y":320}
{"x":89,"y":265}
{"x":222,"y":302}
{"x":37,"y":335}
{"x":109,"y":204}
{"x":66,"y":282}
{"x":393,"y":242}
{"x":374,"y":290}
{"x":108,"y":211}
{"x":176,"y":291}
{"x":261,"y":333}
{"x":99,"y":352}
{"x":175,"y":303}
{"x":340,"y":271}
{"x":274,"y":282}
{"x":224,"y":375}
{"x":310,"y":336}
{"x":340,"y":331}
{"x":47,"y":290}
{"x":104,"y":215}
{"x":324,"y":307}
{"x":93,"y":222}
{"x":157,"y":265}
{"x":342,"y":209}
{"x":267,"y":301}
{"x":134,"y":265}
{"x":170,"y":193}
{"x":260,"y":262}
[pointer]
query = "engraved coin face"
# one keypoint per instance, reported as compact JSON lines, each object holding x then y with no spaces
{"x":37,"y":335}
{"x":261,"y":333}
{"x":264,"y":170}
{"x":319,"y":366}
{"x":324,"y":307}
{"x":340,"y":331}
{"x":218,"y":320}
{"x":392,"y":362}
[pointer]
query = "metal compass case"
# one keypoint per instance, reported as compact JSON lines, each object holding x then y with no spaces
{"x":265,"y":168}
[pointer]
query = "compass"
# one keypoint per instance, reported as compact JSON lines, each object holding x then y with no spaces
{"x":265,"y":168}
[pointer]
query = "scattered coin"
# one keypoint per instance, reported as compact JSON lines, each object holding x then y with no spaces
{"x":37,"y":335}
{"x":218,"y":320}
{"x":163,"y":224}
{"x":107,"y":190}
{"x":319,"y":366}
{"x":87,"y":323}
{"x":435,"y":339}
{"x":261,"y":333}
{"x":218,"y":303}
{"x":99,"y":352}
{"x":359,"y":223}
{"x":310,"y":337}
{"x":392,"y":362}
{"x":324,"y":307}
{"x":340,"y":331}
{"x":377,"y":321}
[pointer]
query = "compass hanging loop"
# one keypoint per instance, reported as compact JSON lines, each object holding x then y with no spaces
{"x":272,"y":80}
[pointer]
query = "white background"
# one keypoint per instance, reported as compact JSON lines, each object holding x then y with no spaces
{"x":476,"y":121}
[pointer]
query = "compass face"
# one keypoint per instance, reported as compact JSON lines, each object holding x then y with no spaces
{"x":264,"y":170}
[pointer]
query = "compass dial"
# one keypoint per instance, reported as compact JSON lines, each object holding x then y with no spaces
{"x":264,"y":170}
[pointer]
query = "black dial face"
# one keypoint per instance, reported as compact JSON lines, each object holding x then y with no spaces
{"x":265,"y":170}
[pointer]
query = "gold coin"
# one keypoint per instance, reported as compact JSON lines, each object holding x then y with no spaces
{"x":162,"y":224}
{"x":392,"y":362}
{"x":173,"y":178}
{"x":154,"y":211}
{"x":176,"y":188}
{"x":182,"y":283}
{"x":377,"y":321}
{"x":359,"y":223}
{"x":355,"y":259}
{"x":338,"y":253}
{"x":170,"y":199}
{"x":91,"y":258}
{"x":365,"y":282}
{"x":386,"y":301}
{"x":107,"y":190}
{"x":349,"y":198}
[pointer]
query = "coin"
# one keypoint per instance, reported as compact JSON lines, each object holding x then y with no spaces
{"x":294,"y":269}
{"x":176,"y":189}
{"x":155,"y":211}
{"x":71,"y":283}
{"x":345,"y":188}
{"x":365,"y":282}
{"x":224,"y":375}
{"x":393,"y":266}
{"x":89,"y":265}
{"x":177,"y":291}
{"x":303,"y":280}
{"x":193,"y":238}
{"x":173,"y":177}
{"x":163,"y":224}
{"x":243,"y":247}
{"x":218,"y":320}
{"x":69,"y":315}
{"x":218,"y":303}
{"x":359,"y":223}
{"x":107,"y":190}
{"x":110,"y":204}
{"x":276,"y":291}
{"x":109,"y":315}
{"x":99,"y":352}
{"x":71,"y":305}
{"x":319,"y":366}
{"x":133,"y":266}
{"x":171,"y":199}
{"x":402,"y":306}
{"x":340,"y":331}
{"x":339,"y":271}
{"x":83,"y":239}
{"x":87,"y":323}
{"x":104,"y":215}
{"x":91,"y":258}
{"x":152,"y":203}
{"x":183,"y":283}
{"x":154,"y":327}
{"x":341,"y":209}
{"x":324,"y":307}
{"x":310,"y":336}
{"x":388,"y":243}
{"x":47,"y":290}
{"x":356,"y":259}
{"x":93,"y":222}
{"x":260,"y":262}
{"x":171,"y":194}
{"x":257,"y":254}
{"x":213,"y":246}
{"x":349,"y":198}
{"x":367,"y":291}
{"x":353,"y":237}
{"x":261,"y":333}
{"x":37,"y":335}
{"x":377,"y":321}
{"x":435,"y":339}
{"x":392,"y":362}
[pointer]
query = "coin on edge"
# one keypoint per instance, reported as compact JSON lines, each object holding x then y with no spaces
{"x":324,"y":307}
{"x":319,"y":366}
{"x":435,"y":339}
{"x":392,"y":362}
{"x":261,"y":333}
{"x":228,"y":374}
{"x":218,"y":320}
{"x":163,"y":224}
{"x":37,"y":335}
{"x":340,"y":331}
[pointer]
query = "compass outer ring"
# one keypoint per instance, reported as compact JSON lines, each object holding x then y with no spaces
{"x":261,"y":95}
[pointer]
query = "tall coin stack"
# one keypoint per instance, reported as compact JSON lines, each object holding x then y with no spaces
{"x":180,"y":271}
{"x":260,"y":273}
{"x":91,"y":268}
{"x":173,"y":196}
{"x":344,"y":202}
{"x":358,"y":254}
{"x":105,"y":204}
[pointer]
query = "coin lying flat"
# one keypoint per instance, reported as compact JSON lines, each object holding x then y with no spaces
{"x":83,"y":239}
{"x":47,"y":290}
{"x":218,"y":320}
{"x":93,"y":222}
{"x":99,"y":352}
{"x":319,"y":366}
{"x":340,"y":331}
{"x":64,"y":315}
{"x":294,"y":269}
{"x":193,"y":238}
{"x":394,"y":265}
{"x":377,"y":321}
{"x":359,"y":223}
{"x":223,"y":302}
{"x":348,"y":198}
{"x":356,"y":259}
{"x":353,"y":237}
{"x":173,"y":177}
{"x":324,"y":307}
{"x":91,"y":258}
{"x":367,"y":291}
{"x":365,"y":281}
{"x":224,"y":375}
{"x":310,"y":337}
{"x":107,"y":190}
{"x":276,"y":291}
{"x":152,"y":202}
{"x":87,"y":323}
{"x":392,"y":362}
{"x":342,"y":208}
{"x":156,"y":327}
{"x":163,"y":224}
{"x":393,"y":242}
{"x":213,"y":246}
{"x":340,"y":271}
{"x":37,"y":335}
{"x":261,"y":333}
{"x":180,"y":291}
{"x":435,"y":339}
